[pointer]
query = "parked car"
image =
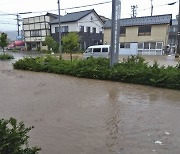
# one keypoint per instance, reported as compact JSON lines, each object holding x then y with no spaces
{"x":97,"y":51}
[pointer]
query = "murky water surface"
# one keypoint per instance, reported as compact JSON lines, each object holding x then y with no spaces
{"x":83,"y":116}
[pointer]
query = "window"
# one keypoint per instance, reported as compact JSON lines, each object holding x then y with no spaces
{"x":88,"y":29}
{"x":122,"y":31}
{"x":146,"y":45}
{"x":36,"y":33}
{"x":94,"y":30}
{"x":56,"y":29}
{"x":81,"y":28}
{"x":97,"y":50}
{"x":125,"y":45}
{"x":64,"y":29}
{"x":140,"y":45}
{"x":144,"y":30}
{"x":153,"y":45}
{"x":159,"y":45}
{"x":122,"y":45}
{"x":88,"y":50}
{"x":104,"y":49}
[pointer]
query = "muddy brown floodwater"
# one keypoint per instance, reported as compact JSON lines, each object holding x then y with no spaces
{"x":83,"y":116}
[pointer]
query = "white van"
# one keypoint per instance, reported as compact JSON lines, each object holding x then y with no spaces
{"x":97,"y":51}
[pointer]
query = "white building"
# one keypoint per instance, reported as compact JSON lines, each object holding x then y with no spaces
{"x":36,"y":29}
{"x":87,"y":24}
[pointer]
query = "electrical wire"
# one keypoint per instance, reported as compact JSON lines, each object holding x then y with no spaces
{"x":76,"y":7}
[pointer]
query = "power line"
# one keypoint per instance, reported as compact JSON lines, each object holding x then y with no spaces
{"x":75,"y":7}
{"x":83,"y":6}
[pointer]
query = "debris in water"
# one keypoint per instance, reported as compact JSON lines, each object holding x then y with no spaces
{"x":158,"y":142}
{"x":167,"y":133}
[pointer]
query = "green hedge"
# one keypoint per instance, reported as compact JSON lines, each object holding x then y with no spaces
{"x":6,"y":57}
{"x":131,"y":70}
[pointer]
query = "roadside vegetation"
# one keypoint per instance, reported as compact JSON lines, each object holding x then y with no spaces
{"x":14,"y":138}
{"x":6,"y":56}
{"x":3,"y":44}
{"x":70,"y":43}
{"x":131,"y":70}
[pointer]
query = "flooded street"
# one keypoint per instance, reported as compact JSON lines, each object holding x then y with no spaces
{"x":84,"y":116}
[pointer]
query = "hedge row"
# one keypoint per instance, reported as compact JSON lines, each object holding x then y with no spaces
{"x":131,"y":70}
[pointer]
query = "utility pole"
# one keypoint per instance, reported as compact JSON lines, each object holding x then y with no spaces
{"x":59,"y":17}
{"x":178,"y":35}
{"x":18,"y":21}
{"x":18,"y":25}
{"x":134,"y":11}
{"x":115,"y":31}
{"x":151,"y":8}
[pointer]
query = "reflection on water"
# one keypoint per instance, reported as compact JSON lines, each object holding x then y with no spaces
{"x":112,"y":117}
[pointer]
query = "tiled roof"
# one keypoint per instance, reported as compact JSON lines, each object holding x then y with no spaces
{"x":52,"y":15}
{"x":139,"y":21}
{"x":72,"y":17}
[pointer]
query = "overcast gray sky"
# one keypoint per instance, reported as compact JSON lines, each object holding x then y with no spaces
{"x":16,"y":6}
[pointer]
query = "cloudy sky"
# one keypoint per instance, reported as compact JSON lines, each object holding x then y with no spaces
{"x":8,"y":22}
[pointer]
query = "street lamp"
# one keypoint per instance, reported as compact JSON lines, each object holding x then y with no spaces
{"x":59,"y":17}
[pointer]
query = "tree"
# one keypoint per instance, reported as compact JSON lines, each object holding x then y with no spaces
{"x":70,"y":43}
{"x":51,"y":43}
{"x":3,"y":41}
{"x":14,"y":139}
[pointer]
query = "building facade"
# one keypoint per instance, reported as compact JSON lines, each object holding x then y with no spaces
{"x":36,"y":29}
{"x":87,"y":24}
{"x":149,"y":34}
{"x":173,"y":34}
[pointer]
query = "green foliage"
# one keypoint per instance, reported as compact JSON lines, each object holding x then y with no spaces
{"x":14,"y":138}
{"x":55,"y":47}
{"x":70,"y":43}
{"x":132,"y":70}
{"x":15,"y":50}
{"x":3,"y":41}
{"x":45,"y":51}
{"x":51,"y":43}
{"x":6,"y":57}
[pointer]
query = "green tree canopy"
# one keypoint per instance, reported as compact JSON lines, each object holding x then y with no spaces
{"x":51,"y":43}
{"x":3,"y":41}
{"x":70,"y":43}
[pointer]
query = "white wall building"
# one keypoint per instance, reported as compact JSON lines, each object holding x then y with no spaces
{"x":36,"y":29}
{"x":87,"y":24}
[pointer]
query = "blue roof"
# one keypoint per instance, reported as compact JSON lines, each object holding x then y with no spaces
{"x":140,"y":21}
{"x":72,"y":17}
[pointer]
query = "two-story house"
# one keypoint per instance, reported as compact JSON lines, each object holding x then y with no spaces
{"x":87,"y":24}
{"x":36,"y":29}
{"x":141,"y":35}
